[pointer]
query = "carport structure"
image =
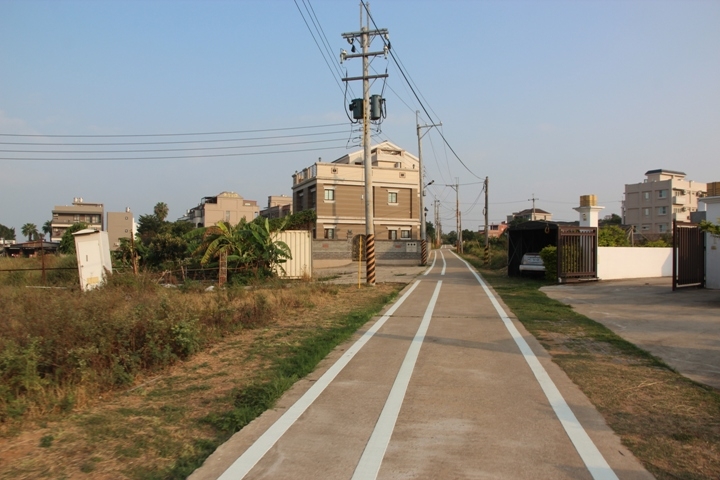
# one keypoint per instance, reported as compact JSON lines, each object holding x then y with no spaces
{"x":576,"y":248}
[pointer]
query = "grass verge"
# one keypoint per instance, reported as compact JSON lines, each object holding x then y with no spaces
{"x":670,"y":423}
{"x":169,"y":420}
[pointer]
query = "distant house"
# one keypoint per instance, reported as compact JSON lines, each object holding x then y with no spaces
{"x":495,"y":230}
{"x":64,"y":216}
{"x":120,"y":225}
{"x":278,"y":206}
{"x":531,"y":215}
{"x":224,"y":207}
{"x":336,"y":192}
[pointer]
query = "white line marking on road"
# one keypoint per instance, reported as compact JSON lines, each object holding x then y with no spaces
{"x":433,"y":264}
{"x":444,"y":263}
{"x":591,"y":456}
{"x":372,"y":456}
{"x":262,"y":445}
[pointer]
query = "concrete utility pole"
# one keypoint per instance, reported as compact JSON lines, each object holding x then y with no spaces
{"x":365,"y":35}
{"x":487,"y":232}
{"x":423,"y":226}
{"x":458,"y":221}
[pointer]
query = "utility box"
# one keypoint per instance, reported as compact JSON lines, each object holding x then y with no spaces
{"x":92,"y":248}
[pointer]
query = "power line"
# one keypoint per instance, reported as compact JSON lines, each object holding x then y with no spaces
{"x":402,"y":72}
{"x":217,"y":140}
{"x":172,"y":134}
{"x":173,"y":149}
{"x":173,"y":157}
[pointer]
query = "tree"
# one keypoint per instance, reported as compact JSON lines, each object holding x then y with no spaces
{"x":6,"y":232}
{"x":613,"y":219}
{"x":612,"y":236}
{"x":161,"y":211}
{"x":149,"y":226}
{"x":450,"y":238}
{"x":30,"y":231}
{"x":166,"y":248}
{"x":713,"y":229}
{"x":430,"y":230}
{"x":67,"y":242}
{"x":47,"y":228}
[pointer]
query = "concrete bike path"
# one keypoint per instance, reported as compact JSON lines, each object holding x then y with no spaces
{"x":437,"y":388}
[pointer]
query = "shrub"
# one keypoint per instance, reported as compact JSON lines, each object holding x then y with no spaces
{"x":549,"y":258}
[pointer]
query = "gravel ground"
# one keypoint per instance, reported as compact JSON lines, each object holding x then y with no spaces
{"x":383,"y":273}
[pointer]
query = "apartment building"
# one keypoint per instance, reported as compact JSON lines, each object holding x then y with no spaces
{"x":278,"y":206}
{"x":64,"y":216}
{"x":336,"y":191}
{"x":495,"y":230}
{"x":120,"y":225}
{"x":224,"y":207}
{"x":664,"y":196}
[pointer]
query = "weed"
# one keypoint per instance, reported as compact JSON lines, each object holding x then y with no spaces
{"x":46,"y":441}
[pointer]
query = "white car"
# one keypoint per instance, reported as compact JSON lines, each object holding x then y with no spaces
{"x":532,"y":262}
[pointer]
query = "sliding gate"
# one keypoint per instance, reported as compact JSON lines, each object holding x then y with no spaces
{"x":688,"y":255}
{"x":577,"y":254}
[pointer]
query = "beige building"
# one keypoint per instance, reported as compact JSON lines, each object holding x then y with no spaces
{"x":63,"y":216}
{"x":664,"y":196}
{"x":278,"y":206}
{"x":120,"y":225}
{"x":531,"y":214}
{"x":224,"y":207}
{"x":336,"y":192}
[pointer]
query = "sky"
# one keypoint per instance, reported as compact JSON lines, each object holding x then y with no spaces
{"x":550,"y":99}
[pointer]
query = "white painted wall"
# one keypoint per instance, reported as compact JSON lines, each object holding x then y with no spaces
{"x":712,"y":261}
{"x":634,"y":262}
{"x":712,"y":244}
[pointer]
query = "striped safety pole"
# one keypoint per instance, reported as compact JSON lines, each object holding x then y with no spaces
{"x":370,"y":259}
{"x":424,"y":252}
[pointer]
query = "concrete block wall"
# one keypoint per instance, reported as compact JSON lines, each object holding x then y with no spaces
{"x":328,"y":253}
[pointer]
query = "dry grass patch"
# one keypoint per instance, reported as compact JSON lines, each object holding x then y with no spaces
{"x":170,"y":419}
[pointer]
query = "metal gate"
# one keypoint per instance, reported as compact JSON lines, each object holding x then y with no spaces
{"x":577,"y":254}
{"x":688,"y":255}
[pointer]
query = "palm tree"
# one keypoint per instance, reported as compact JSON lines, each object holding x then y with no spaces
{"x":161,"y":211}
{"x":30,"y":230}
{"x":225,"y":239}
{"x":47,"y":228}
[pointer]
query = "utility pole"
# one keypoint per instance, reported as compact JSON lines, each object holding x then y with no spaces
{"x":366,"y":35}
{"x":487,"y":232}
{"x":458,"y":220}
{"x":438,"y":227}
{"x":533,"y":209}
{"x":423,"y":227}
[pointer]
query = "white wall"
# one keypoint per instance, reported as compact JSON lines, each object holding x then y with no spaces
{"x":634,"y":262}
{"x":712,"y":261}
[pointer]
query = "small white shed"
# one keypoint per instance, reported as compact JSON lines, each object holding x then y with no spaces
{"x":92,"y":248}
{"x":712,"y":243}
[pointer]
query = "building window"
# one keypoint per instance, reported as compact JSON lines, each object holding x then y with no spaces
{"x":227,"y":216}
{"x":646,"y":196}
{"x":96,"y":218}
{"x":311,"y":198}
{"x":76,"y":218}
{"x":645,"y":228}
{"x":392,"y":234}
{"x":662,"y":193}
{"x":330,"y":233}
{"x":329,"y":195}
{"x":662,"y":210}
{"x":662,"y":228}
{"x":404,"y":233}
{"x":646,"y":212}
{"x":392,"y":197}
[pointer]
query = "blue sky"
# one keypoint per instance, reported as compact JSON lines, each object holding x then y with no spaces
{"x":552,"y":98}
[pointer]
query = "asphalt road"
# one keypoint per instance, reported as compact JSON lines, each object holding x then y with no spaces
{"x":444,"y":385}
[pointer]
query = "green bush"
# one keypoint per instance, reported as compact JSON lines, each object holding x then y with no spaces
{"x":549,"y":258}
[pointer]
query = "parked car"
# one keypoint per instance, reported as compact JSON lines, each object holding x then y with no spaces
{"x":532,"y":262}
